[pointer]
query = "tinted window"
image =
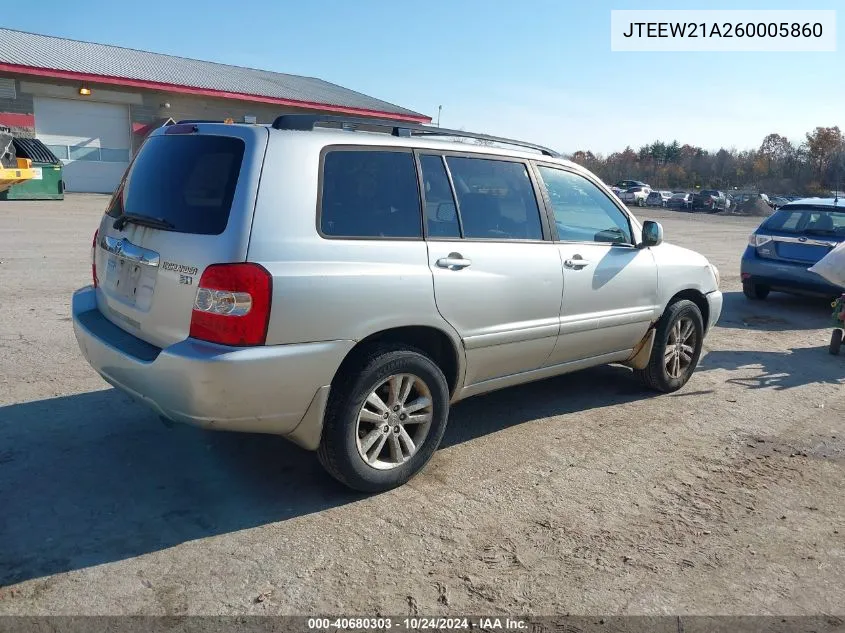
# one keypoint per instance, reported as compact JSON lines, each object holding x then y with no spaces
{"x":188,"y":181}
{"x":370,"y":194}
{"x":582,"y":212}
{"x":441,"y":214}
{"x":807,"y":220}
{"x":495,"y":199}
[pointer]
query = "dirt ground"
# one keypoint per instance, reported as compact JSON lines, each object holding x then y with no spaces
{"x":581,"y":494}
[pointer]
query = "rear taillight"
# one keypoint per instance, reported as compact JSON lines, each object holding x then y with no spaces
{"x":757,"y":240}
{"x":232,"y":305}
{"x":94,"y":259}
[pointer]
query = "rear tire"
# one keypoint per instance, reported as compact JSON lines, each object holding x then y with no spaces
{"x":754,"y":291}
{"x":835,"y":342}
{"x":678,"y":342}
{"x":355,"y":448}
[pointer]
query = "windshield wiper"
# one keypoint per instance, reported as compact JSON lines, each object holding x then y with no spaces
{"x":142,"y":220}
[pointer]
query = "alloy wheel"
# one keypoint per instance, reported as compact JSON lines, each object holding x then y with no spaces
{"x":680,"y":348}
{"x":394,"y":421}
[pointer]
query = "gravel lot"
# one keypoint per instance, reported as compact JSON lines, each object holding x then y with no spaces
{"x":580,"y":494}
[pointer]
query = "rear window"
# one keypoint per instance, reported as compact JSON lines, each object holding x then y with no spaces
{"x":188,"y":181}
{"x":807,"y":220}
{"x":370,"y":194}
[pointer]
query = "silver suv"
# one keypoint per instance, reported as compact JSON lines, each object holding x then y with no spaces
{"x":342,"y":282}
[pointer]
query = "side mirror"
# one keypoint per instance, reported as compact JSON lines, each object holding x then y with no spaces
{"x":652,"y":234}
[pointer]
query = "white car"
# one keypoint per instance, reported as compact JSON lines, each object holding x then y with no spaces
{"x":636,"y":195}
{"x":658,"y":198}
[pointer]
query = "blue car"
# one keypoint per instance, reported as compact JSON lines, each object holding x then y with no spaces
{"x":787,"y":243}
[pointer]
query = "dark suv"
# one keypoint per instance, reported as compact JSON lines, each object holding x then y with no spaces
{"x":627,"y":184}
{"x":709,"y":200}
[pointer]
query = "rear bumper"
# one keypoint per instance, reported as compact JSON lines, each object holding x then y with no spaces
{"x":785,"y":276}
{"x":256,"y":389}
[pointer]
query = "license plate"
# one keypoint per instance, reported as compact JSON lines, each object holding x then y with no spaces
{"x":130,"y":282}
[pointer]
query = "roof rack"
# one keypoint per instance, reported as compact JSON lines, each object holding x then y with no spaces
{"x":307,"y":122}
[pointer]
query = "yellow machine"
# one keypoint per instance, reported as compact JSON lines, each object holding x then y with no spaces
{"x":13,"y":175}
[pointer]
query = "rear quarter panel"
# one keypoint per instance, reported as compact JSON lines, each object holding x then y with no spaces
{"x":331,"y":289}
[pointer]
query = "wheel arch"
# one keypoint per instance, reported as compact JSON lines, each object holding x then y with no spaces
{"x":438,"y":345}
{"x":698,"y":298}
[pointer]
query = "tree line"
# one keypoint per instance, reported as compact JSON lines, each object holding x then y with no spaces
{"x":816,"y":166}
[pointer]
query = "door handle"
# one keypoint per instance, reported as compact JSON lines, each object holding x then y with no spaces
{"x":576,"y":263}
{"x":454,"y":261}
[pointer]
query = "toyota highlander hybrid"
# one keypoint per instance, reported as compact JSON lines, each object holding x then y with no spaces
{"x":342,"y":282}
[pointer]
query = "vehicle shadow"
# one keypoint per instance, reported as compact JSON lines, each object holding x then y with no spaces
{"x":94,"y":478}
{"x":779,"y":370}
{"x":593,"y":388}
{"x":778,"y":312}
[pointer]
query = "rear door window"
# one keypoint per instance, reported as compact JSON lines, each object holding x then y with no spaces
{"x":496,"y":199}
{"x":188,"y":181}
{"x":370,"y":194}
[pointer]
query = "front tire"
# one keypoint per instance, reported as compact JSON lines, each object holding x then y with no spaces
{"x":678,"y":342}
{"x":386,"y":415}
{"x":754,"y":291}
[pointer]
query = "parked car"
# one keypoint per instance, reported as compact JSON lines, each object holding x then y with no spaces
{"x":709,"y":200}
{"x":624,"y":185}
{"x":787,"y":243}
{"x":778,"y":201}
{"x":658,"y":198}
{"x":334,"y":305}
{"x":636,"y":195}
{"x":680,"y":200}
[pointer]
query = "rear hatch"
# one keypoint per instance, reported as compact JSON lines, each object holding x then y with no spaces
{"x":703,"y":199}
{"x":800,"y":234}
{"x":185,"y":202}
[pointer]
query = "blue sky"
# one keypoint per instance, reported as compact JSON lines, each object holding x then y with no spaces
{"x":541,"y":70}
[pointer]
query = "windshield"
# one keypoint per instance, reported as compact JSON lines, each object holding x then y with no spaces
{"x":807,"y":220}
{"x":185,"y":183}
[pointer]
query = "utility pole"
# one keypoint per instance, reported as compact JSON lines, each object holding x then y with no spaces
{"x":439,"y":110}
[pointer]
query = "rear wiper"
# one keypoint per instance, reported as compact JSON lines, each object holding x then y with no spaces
{"x":143,"y":220}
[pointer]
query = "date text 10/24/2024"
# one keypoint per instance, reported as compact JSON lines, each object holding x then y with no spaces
{"x":417,"y":623}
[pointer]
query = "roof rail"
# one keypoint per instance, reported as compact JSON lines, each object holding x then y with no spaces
{"x":307,"y":122}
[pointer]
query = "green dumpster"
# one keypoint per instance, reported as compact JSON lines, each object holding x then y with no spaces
{"x":47,"y":184}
